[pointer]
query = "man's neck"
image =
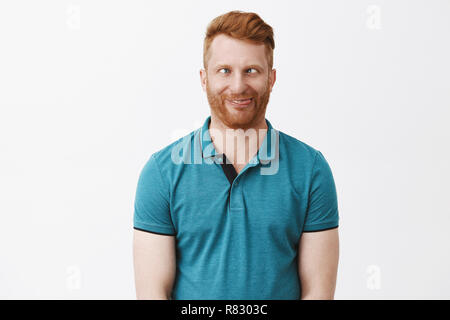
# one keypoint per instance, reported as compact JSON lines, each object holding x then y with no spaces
{"x":238,"y":145}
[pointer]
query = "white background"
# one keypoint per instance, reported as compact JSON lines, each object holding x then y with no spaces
{"x":90,"y":89}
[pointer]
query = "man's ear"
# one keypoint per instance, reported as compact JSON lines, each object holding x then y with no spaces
{"x":203,"y":79}
{"x":273,"y":78}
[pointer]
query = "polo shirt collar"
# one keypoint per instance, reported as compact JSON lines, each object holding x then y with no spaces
{"x":265,"y":152}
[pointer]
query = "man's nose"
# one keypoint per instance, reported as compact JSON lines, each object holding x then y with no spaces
{"x":238,"y":84}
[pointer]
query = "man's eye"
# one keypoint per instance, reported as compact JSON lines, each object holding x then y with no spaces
{"x":252,"y":69}
{"x":224,"y":69}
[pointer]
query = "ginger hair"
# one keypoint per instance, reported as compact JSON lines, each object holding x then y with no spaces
{"x":243,"y":26}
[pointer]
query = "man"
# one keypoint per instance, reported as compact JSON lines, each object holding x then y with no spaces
{"x":254,"y":220}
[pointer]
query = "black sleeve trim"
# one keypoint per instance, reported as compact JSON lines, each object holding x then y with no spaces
{"x":164,"y":234}
{"x":322,"y":229}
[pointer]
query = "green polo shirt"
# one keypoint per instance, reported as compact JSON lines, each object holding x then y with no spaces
{"x":236,"y":235}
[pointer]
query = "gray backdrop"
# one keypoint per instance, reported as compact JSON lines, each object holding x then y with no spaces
{"x":89,"y":89}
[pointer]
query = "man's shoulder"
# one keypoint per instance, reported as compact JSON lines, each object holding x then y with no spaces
{"x":301,"y":158}
{"x":170,"y":153}
{"x":297,"y":147}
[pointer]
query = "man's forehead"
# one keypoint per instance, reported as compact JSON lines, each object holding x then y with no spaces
{"x":226,"y":50}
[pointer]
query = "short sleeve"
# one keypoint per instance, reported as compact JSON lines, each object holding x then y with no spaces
{"x":322,"y":211}
{"x":151,"y":206}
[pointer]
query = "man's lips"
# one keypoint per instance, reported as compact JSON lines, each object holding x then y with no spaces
{"x":240,"y":102}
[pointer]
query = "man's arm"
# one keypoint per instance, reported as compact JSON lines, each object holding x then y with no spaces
{"x":154,"y":265}
{"x":318,"y":263}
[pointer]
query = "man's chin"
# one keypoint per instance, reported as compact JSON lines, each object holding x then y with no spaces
{"x":238,"y":120}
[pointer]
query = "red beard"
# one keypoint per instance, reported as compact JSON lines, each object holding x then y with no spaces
{"x":247,"y":118}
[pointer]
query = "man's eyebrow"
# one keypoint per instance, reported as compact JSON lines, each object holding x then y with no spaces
{"x":256,"y":66}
